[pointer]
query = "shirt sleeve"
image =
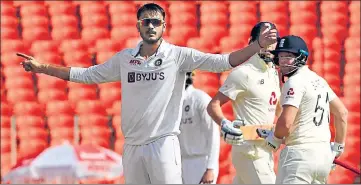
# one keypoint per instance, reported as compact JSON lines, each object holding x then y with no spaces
{"x":108,"y":71}
{"x":331,"y":94}
{"x":191,"y":59}
{"x":212,"y":130}
{"x":235,"y":84}
{"x":292,"y":93}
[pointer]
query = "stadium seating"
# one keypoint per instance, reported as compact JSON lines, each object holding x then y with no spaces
{"x":85,"y":33}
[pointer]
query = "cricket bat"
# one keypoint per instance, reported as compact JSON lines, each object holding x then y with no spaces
{"x":250,"y":131}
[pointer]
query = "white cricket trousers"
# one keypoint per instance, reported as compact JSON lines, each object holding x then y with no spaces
{"x":253,"y":163}
{"x":193,"y":168}
{"x":308,"y":163}
{"x":158,"y":162}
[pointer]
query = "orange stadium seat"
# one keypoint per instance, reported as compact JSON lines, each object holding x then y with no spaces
{"x":354,"y":31}
{"x":27,"y":3}
{"x":215,"y":19}
{"x":231,"y":43}
{"x":5,"y":133}
{"x":278,"y":18}
{"x":7,"y":9}
{"x":61,"y":8}
{"x":118,"y":146}
{"x":245,"y":18}
{"x":24,"y":122}
{"x":19,"y":95}
{"x":202,"y":44}
{"x":77,"y":56}
{"x":213,"y":7}
{"x":5,"y":146}
{"x":331,"y":55}
{"x":240,"y":7}
{"x":65,"y":33}
{"x":117,"y":121}
{"x":330,"y":7}
{"x":273,"y":6}
{"x":331,"y":67}
{"x":176,"y":7}
{"x":90,"y":107}
{"x":9,"y":59}
{"x":352,"y":42}
{"x":47,"y":95}
{"x":59,"y":21}
{"x":28,"y":108}
{"x":33,"y":133}
{"x":9,"y":33}
{"x":307,"y":6}
{"x":12,"y":46}
{"x":90,"y":35}
{"x":332,"y":44}
{"x":50,"y":82}
{"x":6,"y":109}
{"x":109,"y":85}
{"x":123,"y":33}
{"x":309,"y":18}
{"x":335,"y":18}
{"x":49,"y":57}
{"x":56,"y":122}
{"x":97,"y":20}
{"x":77,"y":95}
{"x":58,"y":107}
{"x":95,"y":132}
{"x":241,"y":32}
{"x":31,"y":147}
{"x":108,"y":96}
{"x":35,"y":21}
{"x":116,"y":108}
{"x":104,"y":56}
{"x":33,"y":10}
{"x":108,"y":45}
{"x":352,"y":55}
{"x":5,"y":120}
{"x":73,"y":45}
{"x":74,"y":85}
{"x":305,"y":31}
{"x":9,"y":21}
{"x":16,"y":72}
{"x":213,"y":33}
{"x":31,"y":34}
{"x":19,"y":83}
{"x":352,"y":68}
{"x":42,"y":46}
{"x":92,"y":120}
{"x":92,"y":8}
{"x":99,"y":141}
{"x":184,"y":32}
{"x":122,"y":7}
{"x":122,"y":19}
{"x":188,"y":19}
{"x":352,"y":79}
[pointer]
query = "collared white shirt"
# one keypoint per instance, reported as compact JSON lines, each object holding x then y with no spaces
{"x":152,"y":89}
{"x":199,"y":133}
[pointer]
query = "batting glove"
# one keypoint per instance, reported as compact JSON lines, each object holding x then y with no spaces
{"x":273,"y":142}
{"x":231,"y":133}
{"x":337,"y":149}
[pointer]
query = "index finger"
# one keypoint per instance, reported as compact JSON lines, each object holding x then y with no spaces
{"x":24,"y":56}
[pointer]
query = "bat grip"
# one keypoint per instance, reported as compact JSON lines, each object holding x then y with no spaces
{"x":347,"y":166}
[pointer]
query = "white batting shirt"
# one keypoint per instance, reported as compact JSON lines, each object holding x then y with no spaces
{"x":152,"y":88}
{"x":311,"y":94}
{"x":254,"y":90}
{"x":199,"y":133}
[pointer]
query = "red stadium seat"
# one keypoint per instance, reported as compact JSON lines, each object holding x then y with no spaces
{"x":307,"y":6}
{"x":184,"y":32}
{"x":35,"y":21}
{"x":354,"y":31}
{"x":16,"y":72}
{"x":211,"y":20}
{"x":123,"y":33}
{"x":108,"y":96}
{"x":317,"y":67}
{"x":47,"y":95}
{"x":352,"y":42}
{"x":297,"y":17}
{"x":58,"y":21}
{"x":90,"y":35}
{"x":104,"y":56}
{"x":74,"y":85}
{"x":231,"y":43}
{"x":59,"y":133}
{"x":5,"y":120}
{"x":7,"y":9}
{"x":20,"y":95}
{"x":24,"y":122}
{"x":109,"y":85}
{"x":94,"y":132}
{"x":5,"y":146}
{"x":188,"y":19}
{"x":236,"y":7}
{"x":19,"y":83}
{"x":201,"y":43}
{"x":97,"y":20}
{"x":65,"y":33}
{"x":77,"y":57}
{"x":92,"y":8}
{"x":335,"y":18}
{"x":12,"y":46}
{"x":10,"y":59}
{"x":60,"y":121}
{"x":27,"y":3}
{"x":352,"y":68}
{"x":245,"y":18}
{"x":330,"y":7}
{"x":42,"y":46}
{"x":331,"y":55}
{"x":118,"y":146}
{"x":278,"y":18}
{"x":351,"y":79}
{"x":59,"y":107}
{"x":215,"y":32}
{"x":50,"y":82}
{"x":351,"y":90}
{"x":73,"y":45}
{"x":28,"y":108}
{"x":49,"y":57}
{"x":61,"y":8}
{"x":116,"y":123}
{"x":31,"y":147}
{"x":117,"y":108}
{"x":108,"y":45}
{"x":33,"y":133}
{"x":9,"y":33}
{"x":332,"y":43}
{"x":330,"y":67}
{"x":120,"y":19}
{"x":273,"y":6}
{"x":77,"y":95}
{"x":123,"y":7}
{"x":31,"y":34}
{"x":353,"y":55}
{"x":5,"y":133}
{"x":9,"y":21}
{"x":92,"y":120}
{"x":90,"y":107}
{"x":33,"y":10}
{"x":176,"y":7}
{"x":132,"y":42}
{"x":6,"y":109}
{"x":104,"y":142}
{"x":213,"y":7}
{"x":305,"y":31}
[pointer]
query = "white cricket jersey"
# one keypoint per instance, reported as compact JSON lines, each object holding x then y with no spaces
{"x":152,"y":88}
{"x":199,"y":133}
{"x":311,"y":94}
{"x":254,"y":90}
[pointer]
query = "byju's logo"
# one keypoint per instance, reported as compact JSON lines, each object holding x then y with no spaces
{"x":136,"y":77}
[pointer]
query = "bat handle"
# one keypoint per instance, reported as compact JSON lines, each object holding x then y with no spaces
{"x":347,"y":166}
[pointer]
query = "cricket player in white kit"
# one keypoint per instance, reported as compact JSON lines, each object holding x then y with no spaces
{"x":254,"y":89}
{"x":307,"y":101}
{"x":199,"y":138}
{"x":153,"y":77}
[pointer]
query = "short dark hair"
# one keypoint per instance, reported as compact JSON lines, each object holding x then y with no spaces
{"x":150,"y":7}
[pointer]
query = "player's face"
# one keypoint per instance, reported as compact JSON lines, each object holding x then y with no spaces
{"x":151,"y":26}
{"x":266,"y":51}
{"x":286,"y":61}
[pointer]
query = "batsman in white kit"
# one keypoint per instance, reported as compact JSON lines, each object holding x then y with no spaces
{"x":153,"y":77}
{"x":303,"y":126}
{"x":199,"y":138}
{"x":254,"y":89}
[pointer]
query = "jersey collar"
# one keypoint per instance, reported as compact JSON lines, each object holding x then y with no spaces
{"x":161,"y":49}
{"x":258,"y":62}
